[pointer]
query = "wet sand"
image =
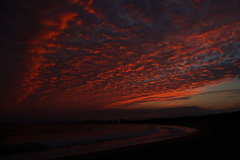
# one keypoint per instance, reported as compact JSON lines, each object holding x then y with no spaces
{"x":217,"y":138}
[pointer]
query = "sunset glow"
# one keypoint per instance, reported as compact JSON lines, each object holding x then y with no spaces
{"x":103,"y":59}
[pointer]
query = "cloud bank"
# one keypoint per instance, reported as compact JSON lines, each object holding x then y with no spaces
{"x":92,"y":54}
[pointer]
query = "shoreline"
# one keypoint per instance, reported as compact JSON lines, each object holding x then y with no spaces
{"x":107,"y":154}
{"x":217,"y":138}
{"x":155,"y":133}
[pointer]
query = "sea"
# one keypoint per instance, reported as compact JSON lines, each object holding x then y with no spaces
{"x":47,"y":141}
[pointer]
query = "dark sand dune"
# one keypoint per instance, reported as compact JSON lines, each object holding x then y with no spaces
{"x":218,"y":138}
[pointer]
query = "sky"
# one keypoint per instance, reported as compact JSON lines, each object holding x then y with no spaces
{"x":110,"y":59}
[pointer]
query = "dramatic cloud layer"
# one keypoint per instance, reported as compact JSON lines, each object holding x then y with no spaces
{"x":93,"y":54}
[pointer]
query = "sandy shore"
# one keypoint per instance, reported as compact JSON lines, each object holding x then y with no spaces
{"x":215,"y":139}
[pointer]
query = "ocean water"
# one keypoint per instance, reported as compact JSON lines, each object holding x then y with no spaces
{"x":46,"y":141}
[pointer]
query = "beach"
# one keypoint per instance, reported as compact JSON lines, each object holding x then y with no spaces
{"x":217,"y":138}
{"x":41,"y":141}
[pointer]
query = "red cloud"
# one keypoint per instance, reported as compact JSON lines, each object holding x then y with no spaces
{"x":74,"y":1}
{"x":107,"y":54}
{"x":38,"y":46}
{"x":59,"y":23}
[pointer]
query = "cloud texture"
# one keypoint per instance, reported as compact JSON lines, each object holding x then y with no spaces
{"x":93,"y":54}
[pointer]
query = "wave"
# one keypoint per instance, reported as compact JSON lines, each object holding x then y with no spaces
{"x":56,"y":148}
{"x":43,"y":145}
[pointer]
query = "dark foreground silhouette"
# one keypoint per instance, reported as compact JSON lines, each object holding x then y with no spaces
{"x":218,"y":138}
